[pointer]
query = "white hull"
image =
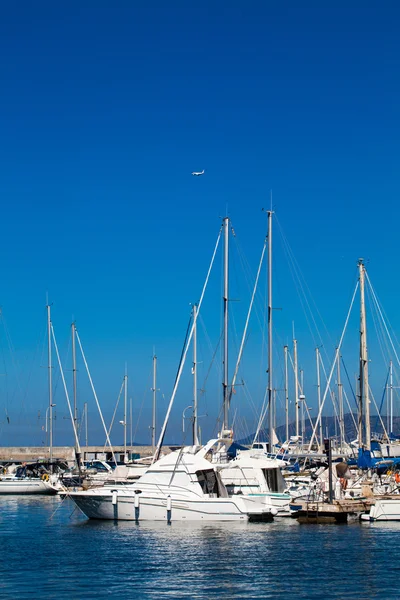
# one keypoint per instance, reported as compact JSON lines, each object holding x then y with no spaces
{"x":385,"y":510}
{"x":104,"y":504}
{"x":278,"y":501}
{"x":26,"y":486}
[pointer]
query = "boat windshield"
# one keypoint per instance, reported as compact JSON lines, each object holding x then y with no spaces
{"x":210,"y":484}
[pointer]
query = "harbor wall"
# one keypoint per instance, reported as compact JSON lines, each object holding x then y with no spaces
{"x":67,"y":453}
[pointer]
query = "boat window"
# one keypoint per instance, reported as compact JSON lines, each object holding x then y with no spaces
{"x":257,"y":446}
{"x":271,"y":477}
{"x":208,"y":481}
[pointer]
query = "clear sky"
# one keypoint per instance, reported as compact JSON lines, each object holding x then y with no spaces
{"x":107,"y":108}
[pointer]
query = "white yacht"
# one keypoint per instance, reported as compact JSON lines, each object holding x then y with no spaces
{"x":181,"y":486}
{"x":252,"y":474}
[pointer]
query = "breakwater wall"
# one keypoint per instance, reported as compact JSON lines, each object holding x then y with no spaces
{"x":67,"y":453}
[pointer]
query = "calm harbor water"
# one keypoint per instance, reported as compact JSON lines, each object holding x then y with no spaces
{"x":50,"y":550}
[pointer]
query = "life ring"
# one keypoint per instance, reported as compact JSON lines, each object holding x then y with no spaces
{"x":45,"y":477}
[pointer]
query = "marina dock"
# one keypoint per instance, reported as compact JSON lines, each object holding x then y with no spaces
{"x":311,"y":511}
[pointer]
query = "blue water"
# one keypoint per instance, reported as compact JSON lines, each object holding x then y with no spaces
{"x":50,"y":550}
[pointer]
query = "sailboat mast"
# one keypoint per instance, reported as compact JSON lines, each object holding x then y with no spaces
{"x":364,"y":386}
{"x":50,"y":381}
{"x":125,"y":410}
{"x":154,"y":390}
{"x":340,"y":402}
{"x":391,"y":397}
{"x":195,"y":429}
{"x":74,"y":383}
{"x":225,"y":424}
{"x":296,"y":384}
{"x":270,"y":394}
{"x":285,"y":348}
{"x":321,"y":435}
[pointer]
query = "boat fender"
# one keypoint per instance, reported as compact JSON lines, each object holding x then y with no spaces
{"x":397,"y":477}
{"x":137,"y":503}
{"x":45,"y":477}
{"x":114,"y":497}
{"x":169,"y":509}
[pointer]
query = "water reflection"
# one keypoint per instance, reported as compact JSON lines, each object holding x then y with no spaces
{"x":53,"y":548}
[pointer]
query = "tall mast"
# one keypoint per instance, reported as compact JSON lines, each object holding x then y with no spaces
{"x":225,"y":424}
{"x":364,"y":386}
{"x":296,"y":385}
{"x":125,"y":410}
{"x":270,"y":394}
{"x":74,"y":382}
{"x":391,"y":397}
{"x":195,"y":429}
{"x":154,"y":390}
{"x":86,"y":424}
{"x":50,"y":380}
{"x":340,"y":402}
{"x":321,"y":435}
{"x":285,"y":348}
{"x":302,"y":398}
{"x":130,"y":423}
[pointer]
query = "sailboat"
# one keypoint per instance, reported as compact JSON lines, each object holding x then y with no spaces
{"x":29,"y":479}
{"x":34,"y":478}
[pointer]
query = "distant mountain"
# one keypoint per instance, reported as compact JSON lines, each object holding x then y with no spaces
{"x":329,"y":427}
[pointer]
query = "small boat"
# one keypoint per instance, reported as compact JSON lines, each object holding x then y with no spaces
{"x":384,"y":509}
{"x":28,"y":480}
{"x":181,"y":486}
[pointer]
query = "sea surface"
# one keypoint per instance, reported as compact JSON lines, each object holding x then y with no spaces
{"x":48,"y":549}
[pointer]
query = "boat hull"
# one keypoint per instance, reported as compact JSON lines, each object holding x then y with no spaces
{"x":26,"y":487}
{"x":385,"y":510}
{"x":145,"y":508}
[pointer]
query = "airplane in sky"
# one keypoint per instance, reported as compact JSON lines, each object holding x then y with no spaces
{"x":198,"y":173}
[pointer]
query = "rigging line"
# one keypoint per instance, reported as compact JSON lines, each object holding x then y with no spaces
{"x":350,"y":409}
{"x":95,"y":396}
{"x":349,"y":382}
{"x":66,"y":390}
{"x":302,"y":296}
{"x":332,"y":392}
{"x":381,"y":315}
{"x":382,"y":399}
{"x":143,"y":400}
{"x":247,"y":322}
{"x":248,"y":276}
{"x":332,"y":369}
{"x":382,"y":310}
{"x":250,"y":400}
{"x":202,"y":389}
{"x":164,"y":427}
{"x":382,"y":339}
{"x":379,"y":416}
{"x":296,"y":264}
{"x":262,"y":415}
{"x":115,"y":411}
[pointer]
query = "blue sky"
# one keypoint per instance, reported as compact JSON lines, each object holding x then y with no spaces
{"x":105,"y":111}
